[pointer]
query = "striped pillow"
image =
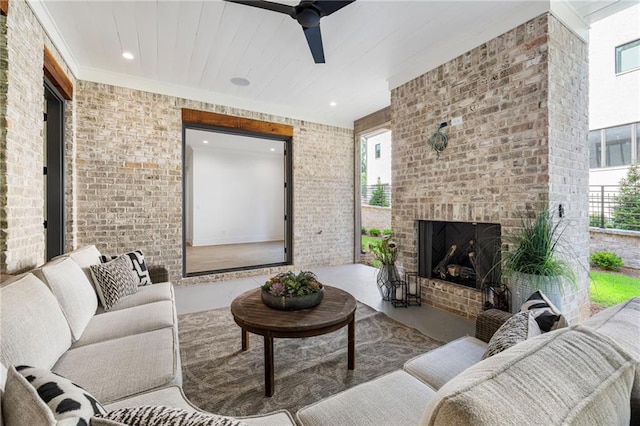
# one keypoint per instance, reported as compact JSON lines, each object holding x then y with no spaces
{"x":545,"y":313}
{"x":147,"y":415}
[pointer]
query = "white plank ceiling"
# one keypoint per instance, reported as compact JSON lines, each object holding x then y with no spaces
{"x":193,"y":49}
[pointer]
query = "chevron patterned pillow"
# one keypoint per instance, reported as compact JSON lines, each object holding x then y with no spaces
{"x":114,"y":280}
{"x":138,"y":266}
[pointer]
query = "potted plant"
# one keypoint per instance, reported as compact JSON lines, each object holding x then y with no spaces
{"x":289,"y":291}
{"x":386,"y":252}
{"x":532,"y":262}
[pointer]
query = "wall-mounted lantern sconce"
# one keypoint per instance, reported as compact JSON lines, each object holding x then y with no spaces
{"x":438,"y":141}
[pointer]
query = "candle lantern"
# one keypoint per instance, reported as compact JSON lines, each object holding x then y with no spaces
{"x":413,"y":288}
{"x":399,"y":294}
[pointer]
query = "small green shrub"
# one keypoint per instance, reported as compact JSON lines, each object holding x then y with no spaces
{"x":387,"y":231}
{"x":606,"y":260}
{"x":374,"y":232}
{"x":378,"y":197}
{"x":363,"y":231}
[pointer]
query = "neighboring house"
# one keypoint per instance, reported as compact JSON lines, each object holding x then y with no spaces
{"x":379,"y":159}
{"x":614,"y":96}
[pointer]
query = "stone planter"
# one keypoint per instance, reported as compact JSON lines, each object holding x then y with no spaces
{"x":523,"y":285}
{"x":292,"y":303}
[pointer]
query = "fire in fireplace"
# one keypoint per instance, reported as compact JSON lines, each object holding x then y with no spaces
{"x":466,"y":253}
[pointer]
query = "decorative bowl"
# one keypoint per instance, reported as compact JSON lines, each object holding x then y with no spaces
{"x":292,"y":303}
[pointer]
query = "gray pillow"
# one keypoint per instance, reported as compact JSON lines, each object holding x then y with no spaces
{"x":114,"y":280}
{"x":516,"y":329}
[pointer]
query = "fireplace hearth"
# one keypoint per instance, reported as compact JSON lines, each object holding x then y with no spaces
{"x":465,"y":253}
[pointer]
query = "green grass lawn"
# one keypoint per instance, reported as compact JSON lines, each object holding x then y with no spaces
{"x":608,"y":289}
{"x":366,"y":240}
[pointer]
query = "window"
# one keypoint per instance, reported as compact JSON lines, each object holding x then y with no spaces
{"x":377,"y":150}
{"x":628,"y":57}
{"x":595,"y":149}
{"x":618,"y":146}
{"x":615,"y":146}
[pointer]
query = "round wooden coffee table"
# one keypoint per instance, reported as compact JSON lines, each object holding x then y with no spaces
{"x":336,"y":310}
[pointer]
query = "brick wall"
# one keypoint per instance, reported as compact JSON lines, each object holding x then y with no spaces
{"x":569,"y":155}
{"x":22,"y":244}
{"x":129,"y":179}
{"x":376,"y":217}
{"x":625,"y":244}
{"x":496,"y":166}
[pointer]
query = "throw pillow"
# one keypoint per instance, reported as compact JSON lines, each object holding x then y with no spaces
{"x":38,"y":396}
{"x":518,"y":328}
{"x":547,"y":315}
{"x":147,"y":415}
{"x":114,"y":280}
{"x":138,"y":266}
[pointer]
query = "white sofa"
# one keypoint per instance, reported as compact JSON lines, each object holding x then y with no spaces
{"x":587,"y":374}
{"x":128,"y":356}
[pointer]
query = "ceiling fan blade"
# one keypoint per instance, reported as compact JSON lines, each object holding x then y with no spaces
{"x":327,"y":7}
{"x":275,"y":7}
{"x":314,"y":39}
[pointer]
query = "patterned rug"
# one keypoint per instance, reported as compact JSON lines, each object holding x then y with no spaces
{"x":220,"y":378}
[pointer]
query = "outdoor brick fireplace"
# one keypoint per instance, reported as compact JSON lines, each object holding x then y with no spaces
{"x":518,"y":147}
{"x":464,"y":253}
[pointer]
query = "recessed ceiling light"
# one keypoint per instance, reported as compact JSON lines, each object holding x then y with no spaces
{"x":239,"y":81}
{"x":205,"y":141}
{"x":273,"y":149}
{"x":332,"y":104}
{"x":127,"y":55}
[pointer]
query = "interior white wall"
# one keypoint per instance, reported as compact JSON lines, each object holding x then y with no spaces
{"x":252,"y":187}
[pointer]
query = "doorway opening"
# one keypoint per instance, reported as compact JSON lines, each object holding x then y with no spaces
{"x":375,"y":191}
{"x":53,"y":171}
{"x":237,"y":200}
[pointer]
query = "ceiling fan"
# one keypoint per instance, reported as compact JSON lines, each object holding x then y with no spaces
{"x":308,"y":14}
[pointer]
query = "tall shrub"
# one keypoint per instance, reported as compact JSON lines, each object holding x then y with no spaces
{"x":378,"y":197}
{"x":626,"y":213}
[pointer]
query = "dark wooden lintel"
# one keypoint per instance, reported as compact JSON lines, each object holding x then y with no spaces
{"x":229,"y":121}
{"x":54,"y":72}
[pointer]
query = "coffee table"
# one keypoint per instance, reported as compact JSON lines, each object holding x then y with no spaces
{"x":336,"y":310}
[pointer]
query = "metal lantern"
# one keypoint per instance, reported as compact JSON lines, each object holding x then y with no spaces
{"x":496,"y":296}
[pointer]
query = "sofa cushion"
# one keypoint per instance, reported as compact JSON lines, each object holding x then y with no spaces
{"x":127,"y":322}
{"x":34,"y":329}
{"x":138,"y":265}
{"x":149,"y":415}
{"x":85,"y":257}
{"x":569,"y":376}
{"x":35,"y":393}
{"x":395,"y":398}
{"x":114,"y":280}
{"x":518,"y":328}
{"x":146,"y":294}
{"x":621,"y":323}
{"x":442,"y":364}
{"x":118,"y":368}
{"x":74,"y":292}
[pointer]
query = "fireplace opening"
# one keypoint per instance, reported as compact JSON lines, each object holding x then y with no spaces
{"x":465,"y":253}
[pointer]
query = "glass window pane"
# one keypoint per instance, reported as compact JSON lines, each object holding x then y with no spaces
{"x":637,"y":160}
{"x":618,"y":143}
{"x":628,"y":56}
{"x":595,"y":149}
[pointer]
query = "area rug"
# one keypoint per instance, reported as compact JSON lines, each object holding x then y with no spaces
{"x":220,"y":378}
